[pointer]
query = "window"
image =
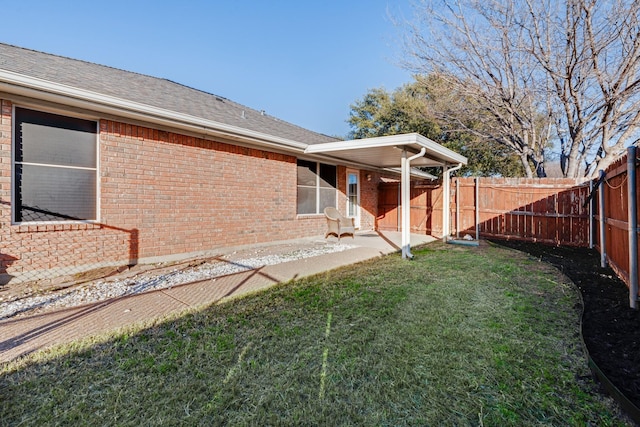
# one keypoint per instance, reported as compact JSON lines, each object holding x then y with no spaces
{"x":55,"y":167}
{"x":316,"y":187}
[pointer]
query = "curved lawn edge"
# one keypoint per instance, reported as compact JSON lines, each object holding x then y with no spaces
{"x":616,"y":394}
{"x":453,"y":337}
{"x":627,"y":405}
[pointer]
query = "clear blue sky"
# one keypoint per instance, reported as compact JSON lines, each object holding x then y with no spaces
{"x":303,"y":61}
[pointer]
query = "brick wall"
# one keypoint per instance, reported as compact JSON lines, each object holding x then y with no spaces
{"x":368,"y":199}
{"x":368,"y":196}
{"x":161,"y":194}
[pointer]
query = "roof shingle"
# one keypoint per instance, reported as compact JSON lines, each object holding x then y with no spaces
{"x":148,"y":90}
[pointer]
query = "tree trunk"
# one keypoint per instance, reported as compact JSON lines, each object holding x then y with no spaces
{"x":603,"y":164}
{"x":574,"y":160}
{"x":538,"y":163}
{"x":524,"y":159}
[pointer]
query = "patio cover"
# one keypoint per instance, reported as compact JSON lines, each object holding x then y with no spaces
{"x":404,"y":151}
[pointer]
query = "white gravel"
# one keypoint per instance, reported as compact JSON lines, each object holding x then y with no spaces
{"x":105,"y":289}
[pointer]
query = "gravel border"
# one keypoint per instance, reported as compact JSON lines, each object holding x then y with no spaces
{"x":101,"y":290}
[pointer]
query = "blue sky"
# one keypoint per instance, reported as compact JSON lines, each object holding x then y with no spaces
{"x":302,"y":61}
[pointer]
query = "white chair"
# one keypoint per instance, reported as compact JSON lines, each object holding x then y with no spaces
{"x":337,"y":224}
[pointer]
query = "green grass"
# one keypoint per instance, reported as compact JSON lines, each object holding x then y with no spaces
{"x":458,"y":336}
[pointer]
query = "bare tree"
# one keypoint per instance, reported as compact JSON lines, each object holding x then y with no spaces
{"x":476,"y":47}
{"x":541,"y":70}
{"x":590,"y":51}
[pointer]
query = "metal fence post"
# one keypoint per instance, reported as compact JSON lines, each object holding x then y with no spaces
{"x":591,"y":212}
{"x":603,"y":243}
{"x":632,"y":222}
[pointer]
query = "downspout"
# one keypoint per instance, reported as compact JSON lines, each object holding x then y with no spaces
{"x":406,"y":201}
{"x":446,"y":201}
{"x":633,"y":226}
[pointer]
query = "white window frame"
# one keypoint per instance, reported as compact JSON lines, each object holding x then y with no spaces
{"x":355,"y":172}
{"x":14,"y":163}
{"x":317,"y":187}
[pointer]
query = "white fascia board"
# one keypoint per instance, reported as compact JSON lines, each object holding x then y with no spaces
{"x":415,"y":139}
{"x":354,"y":144}
{"x":32,"y":87}
{"x":324,"y":158}
{"x":421,"y":174}
{"x":441,"y":150}
{"x":416,"y":173}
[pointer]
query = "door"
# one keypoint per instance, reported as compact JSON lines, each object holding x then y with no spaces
{"x":353,"y":196}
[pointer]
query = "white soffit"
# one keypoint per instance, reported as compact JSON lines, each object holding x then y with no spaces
{"x":416,"y":173}
{"x":386,"y":151}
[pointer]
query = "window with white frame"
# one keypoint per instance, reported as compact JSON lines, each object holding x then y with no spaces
{"x":54,"y":167}
{"x":316,"y":187}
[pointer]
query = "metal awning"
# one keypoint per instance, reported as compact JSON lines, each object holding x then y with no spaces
{"x":394,"y":151}
{"x":384,"y":151}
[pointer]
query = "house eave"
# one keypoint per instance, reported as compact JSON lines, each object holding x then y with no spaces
{"x":31,"y":87}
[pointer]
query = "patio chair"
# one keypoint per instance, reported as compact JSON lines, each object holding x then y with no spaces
{"x":337,"y":224}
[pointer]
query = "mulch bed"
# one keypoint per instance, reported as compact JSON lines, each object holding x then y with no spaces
{"x":611,"y":329}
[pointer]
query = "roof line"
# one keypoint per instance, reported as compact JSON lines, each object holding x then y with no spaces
{"x":84,"y":61}
{"x":20,"y":84}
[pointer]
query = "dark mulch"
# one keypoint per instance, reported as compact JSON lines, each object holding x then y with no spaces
{"x":611,"y":329}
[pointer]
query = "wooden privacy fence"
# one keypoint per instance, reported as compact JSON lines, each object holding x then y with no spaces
{"x":619,"y":198}
{"x":551,"y":211}
{"x":426,"y":207}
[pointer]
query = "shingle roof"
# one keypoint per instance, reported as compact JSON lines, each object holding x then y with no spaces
{"x":152,"y":91}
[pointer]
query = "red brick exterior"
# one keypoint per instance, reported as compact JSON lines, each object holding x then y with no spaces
{"x":369,"y":182}
{"x":162,"y":194}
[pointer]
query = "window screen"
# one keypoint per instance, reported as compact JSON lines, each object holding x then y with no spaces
{"x":316,"y":186}
{"x":55,"y":167}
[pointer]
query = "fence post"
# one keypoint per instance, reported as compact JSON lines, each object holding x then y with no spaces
{"x":633,"y":226}
{"x":591,"y":211}
{"x":477,"y":208}
{"x":603,"y":244}
{"x":457,"y":208}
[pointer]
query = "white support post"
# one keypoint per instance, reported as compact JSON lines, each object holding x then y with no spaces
{"x":405,"y":189}
{"x":446,"y":204}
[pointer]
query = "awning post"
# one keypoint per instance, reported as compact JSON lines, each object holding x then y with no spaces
{"x":446,"y":200}
{"x":406,"y":252}
{"x":405,"y":190}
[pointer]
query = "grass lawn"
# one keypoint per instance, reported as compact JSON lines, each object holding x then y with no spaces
{"x":458,"y":336}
